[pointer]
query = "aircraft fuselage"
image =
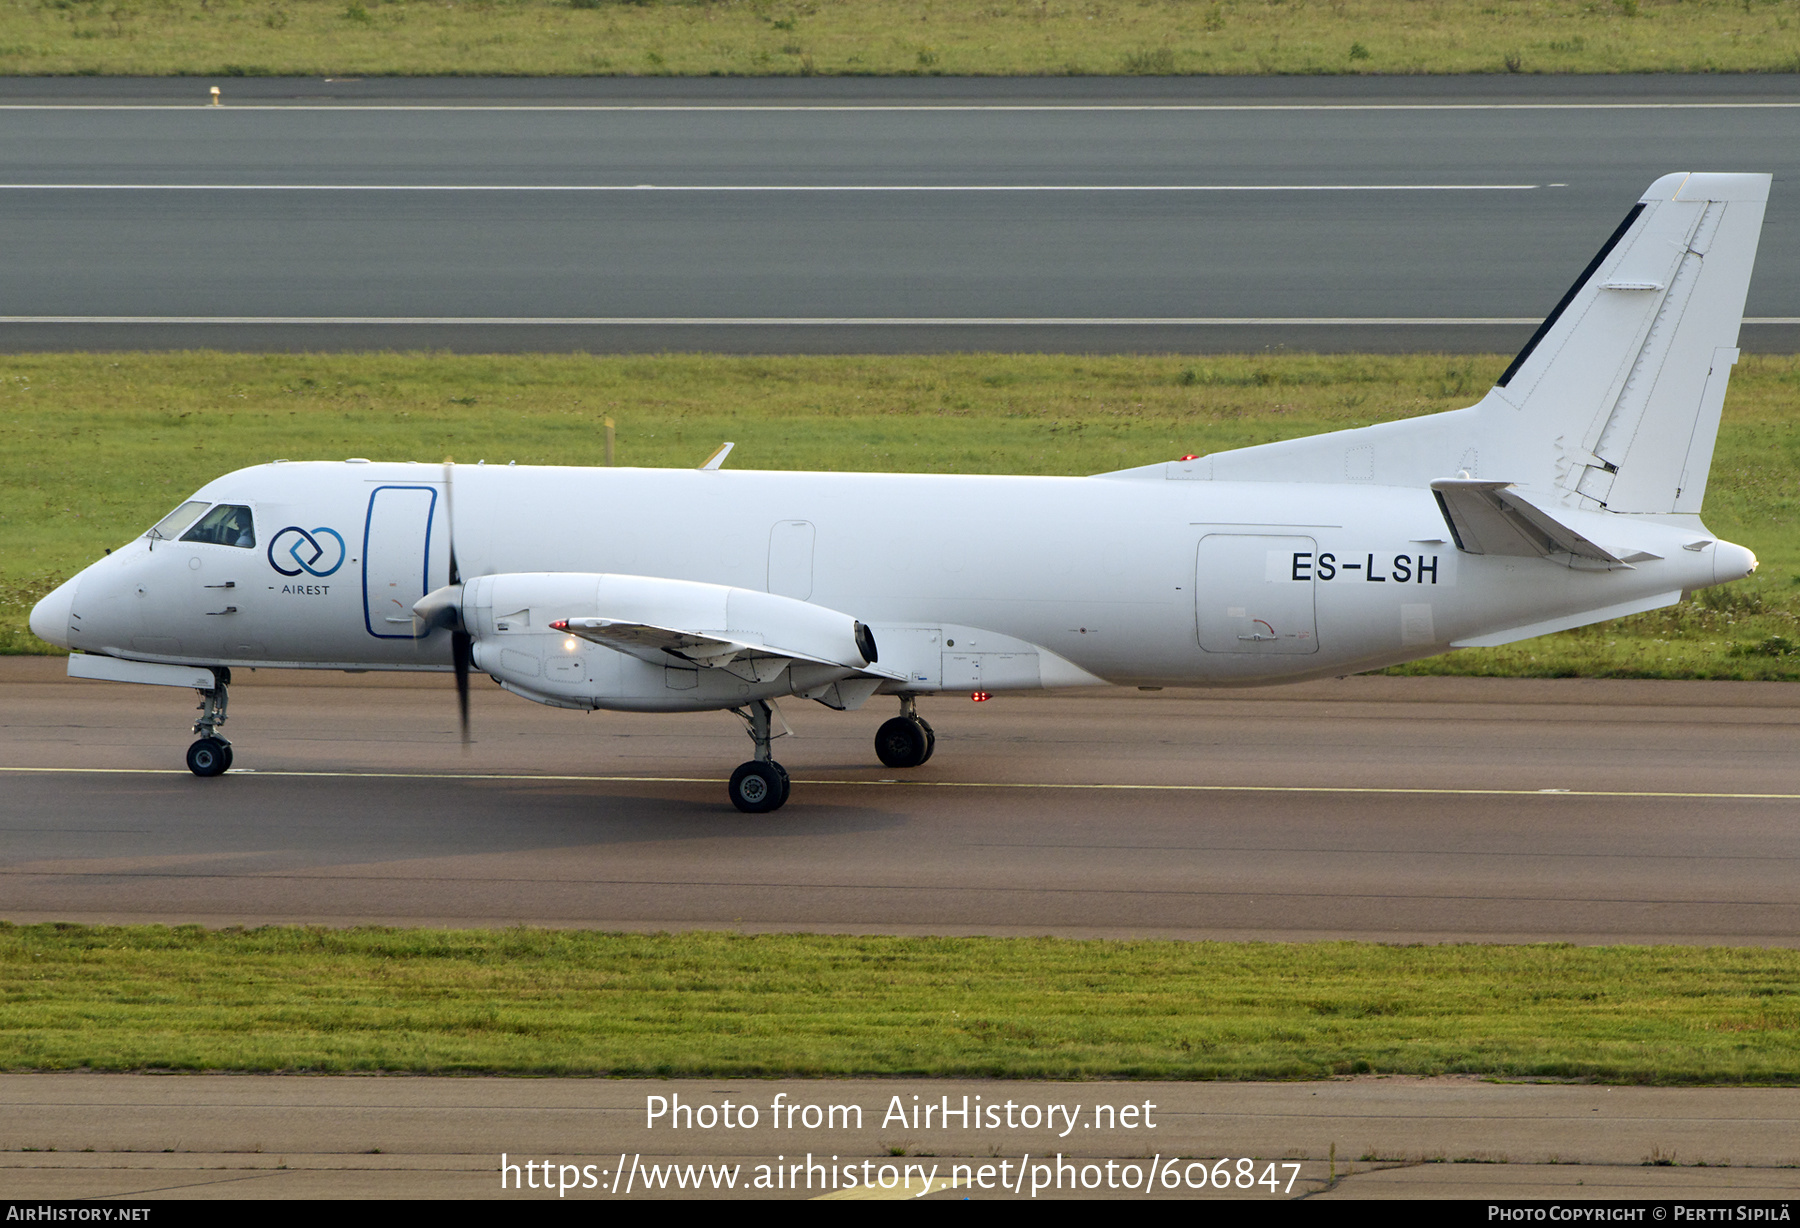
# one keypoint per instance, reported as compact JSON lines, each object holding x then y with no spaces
{"x":1124,"y":580}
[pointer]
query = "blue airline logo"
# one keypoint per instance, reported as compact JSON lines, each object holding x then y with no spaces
{"x":318,"y":553}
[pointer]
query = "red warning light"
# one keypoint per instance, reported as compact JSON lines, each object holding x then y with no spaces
{"x":980,"y":697}
{"x":1191,"y":456}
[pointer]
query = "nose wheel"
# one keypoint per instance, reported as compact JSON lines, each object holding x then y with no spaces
{"x":211,"y":755}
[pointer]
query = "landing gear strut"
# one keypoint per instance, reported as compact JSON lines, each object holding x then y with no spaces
{"x":906,"y":741}
{"x":761,"y":785}
{"x":211,"y":755}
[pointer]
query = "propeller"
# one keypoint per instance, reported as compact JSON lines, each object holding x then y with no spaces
{"x":462,"y":644}
{"x":442,"y":609}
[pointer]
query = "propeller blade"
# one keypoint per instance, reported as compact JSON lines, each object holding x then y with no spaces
{"x":461,"y":644}
{"x":450,"y":518}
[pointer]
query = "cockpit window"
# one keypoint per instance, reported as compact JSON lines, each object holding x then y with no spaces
{"x":226,"y":525}
{"x":170,"y":526}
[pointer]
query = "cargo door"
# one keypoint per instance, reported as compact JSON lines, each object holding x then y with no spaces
{"x":1254,"y":593}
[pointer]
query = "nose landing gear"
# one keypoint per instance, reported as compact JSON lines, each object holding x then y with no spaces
{"x":906,"y":741}
{"x":211,"y":755}
{"x":761,"y":785}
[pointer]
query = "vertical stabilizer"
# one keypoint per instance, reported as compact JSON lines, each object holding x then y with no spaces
{"x":1614,"y":403}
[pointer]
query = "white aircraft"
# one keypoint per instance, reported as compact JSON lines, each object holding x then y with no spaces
{"x":1571,"y":493}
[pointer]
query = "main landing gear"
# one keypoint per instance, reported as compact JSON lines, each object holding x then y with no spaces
{"x":761,"y":785}
{"x":211,"y":755}
{"x":906,"y":741}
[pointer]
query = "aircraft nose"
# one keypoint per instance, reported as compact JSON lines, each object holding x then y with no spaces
{"x":1732,"y":562}
{"x":50,"y":617}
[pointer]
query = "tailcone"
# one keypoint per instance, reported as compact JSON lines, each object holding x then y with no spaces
{"x":1732,"y":562}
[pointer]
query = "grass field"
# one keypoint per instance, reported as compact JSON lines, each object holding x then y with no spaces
{"x":577,"y":1002}
{"x":892,"y":37}
{"x":98,"y":447}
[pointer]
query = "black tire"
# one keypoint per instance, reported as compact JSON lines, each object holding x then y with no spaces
{"x":903,"y":742}
{"x":930,"y":738}
{"x":208,"y":757}
{"x":227,"y":756}
{"x":787,"y":786}
{"x":759,"y":787}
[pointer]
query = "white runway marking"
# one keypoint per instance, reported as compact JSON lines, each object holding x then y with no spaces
{"x":922,"y":784}
{"x":773,"y":187}
{"x":924,"y":107}
{"x":838,"y":321}
{"x":791,"y":321}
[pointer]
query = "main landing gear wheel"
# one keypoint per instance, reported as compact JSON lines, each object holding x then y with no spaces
{"x":759,"y":786}
{"x":209,"y":757}
{"x":904,"y":742}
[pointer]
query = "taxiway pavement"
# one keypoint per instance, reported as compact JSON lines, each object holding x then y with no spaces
{"x":1392,"y":809}
{"x":140,"y":1138}
{"x":1387,"y":809}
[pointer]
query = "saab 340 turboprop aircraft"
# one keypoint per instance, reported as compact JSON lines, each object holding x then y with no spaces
{"x":1571,"y":493}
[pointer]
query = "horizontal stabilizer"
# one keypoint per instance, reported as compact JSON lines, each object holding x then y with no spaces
{"x":1488,"y":517}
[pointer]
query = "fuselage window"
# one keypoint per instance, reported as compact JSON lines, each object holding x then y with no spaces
{"x":226,"y":525}
{"x":170,"y":526}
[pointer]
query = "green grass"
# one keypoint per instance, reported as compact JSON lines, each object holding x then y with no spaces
{"x":891,"y":37}
{"x":98,"y":447}
{"x":576,"y":1002}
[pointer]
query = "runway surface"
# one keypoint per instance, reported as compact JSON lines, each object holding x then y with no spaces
{"x":851,"y":216}
{"x":126,"y":1137}
{"x":1370,"y":808}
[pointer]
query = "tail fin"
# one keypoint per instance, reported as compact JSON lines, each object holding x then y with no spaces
{"x":1615,"y":401}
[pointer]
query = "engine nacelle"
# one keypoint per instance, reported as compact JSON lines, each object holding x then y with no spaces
{"x":508,"y":618}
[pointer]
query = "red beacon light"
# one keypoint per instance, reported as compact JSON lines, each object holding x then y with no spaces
{"x":1191,"y":456}
{"x":980,"y":697}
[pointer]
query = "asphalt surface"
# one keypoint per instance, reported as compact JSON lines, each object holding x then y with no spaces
{"x":850,"y":216}
{"x":1393,"y":809}
{"x":1382,"y":809}
{"x":143,"y":1138}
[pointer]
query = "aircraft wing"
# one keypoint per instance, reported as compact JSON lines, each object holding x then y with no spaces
{"x":708,"y":649}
